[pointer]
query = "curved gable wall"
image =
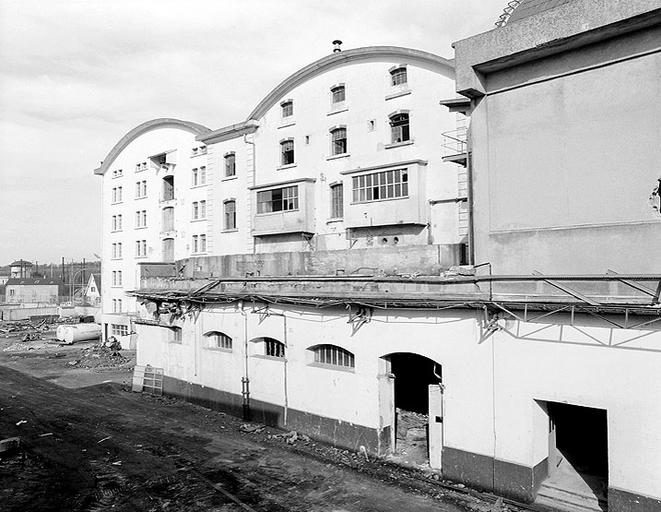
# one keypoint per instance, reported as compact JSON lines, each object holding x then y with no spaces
{"x":427,"y":60}
{"x":143,"y":128}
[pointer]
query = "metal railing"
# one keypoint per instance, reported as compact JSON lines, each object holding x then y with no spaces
{"x":455,"y":141}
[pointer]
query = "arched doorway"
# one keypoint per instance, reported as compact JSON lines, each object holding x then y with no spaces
{"x":413,"y":391}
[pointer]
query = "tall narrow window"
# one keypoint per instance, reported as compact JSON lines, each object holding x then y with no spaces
{"x":338,"y":94}
{"x":337,"y":201}
{"x":203,"y":243}
{"x":176,"y":334}
{"x":196,"y":210}
{"x":195,"y":175}
{"x":287,"y":108}
{"x":168,"y":188}
{"x":399,"y":126}
{"x":398,"y":76}
{"x":203,"y":209}
{"x":287,"y":152}
{"x":338,"y":141}
{"x":230,"y":215}
{"x":203,"y":175}
{"x":230,"y":164}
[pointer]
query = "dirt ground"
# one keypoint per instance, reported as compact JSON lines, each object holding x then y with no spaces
{"x":89,"y":444}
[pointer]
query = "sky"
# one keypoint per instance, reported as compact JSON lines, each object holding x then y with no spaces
{"x":76,"y":75}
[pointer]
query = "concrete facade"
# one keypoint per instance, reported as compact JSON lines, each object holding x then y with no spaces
{"x":564,"y":135}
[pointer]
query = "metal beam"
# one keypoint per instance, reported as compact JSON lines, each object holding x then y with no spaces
{"x":568,"y":290}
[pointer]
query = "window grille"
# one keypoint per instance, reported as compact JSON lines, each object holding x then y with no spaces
{"x":380,"y":185}
{"x":274,"y":348}
{"x":334,"y":356}
{"x":219,"y":340}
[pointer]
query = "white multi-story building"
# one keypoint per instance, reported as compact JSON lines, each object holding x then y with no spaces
{"x":345,"y":154}
{"x":154,"y":208}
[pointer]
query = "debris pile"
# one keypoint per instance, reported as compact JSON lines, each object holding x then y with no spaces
{"x":26,"y":330}
{"x":101,"y":357}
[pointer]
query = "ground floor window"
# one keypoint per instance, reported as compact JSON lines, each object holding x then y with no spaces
{"x":219,"y":340}
{"x":274,"y":348}
{"x":119,"y":330}
{"x":334,"y":356}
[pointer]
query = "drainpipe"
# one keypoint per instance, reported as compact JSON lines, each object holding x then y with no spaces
{"x":245,"y":381}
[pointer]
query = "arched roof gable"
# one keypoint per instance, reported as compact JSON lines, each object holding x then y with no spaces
{"x":405,"y":55}
{"x":143,"y":128}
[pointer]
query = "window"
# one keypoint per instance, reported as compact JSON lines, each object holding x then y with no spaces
{"x":141,"y":166}
{"x":117,"y":173}
{"x":273,"y":348}
{"x":117,"y":250}
{"x":117,"y":194}
{"x":287,"y":152}
{"x":287,"y":108}
{"x":398,"y":76}
{"x":338,"y":94}
{"x":199,"y":243}
{"x":140,"y":248}
{"x":141,"y":219}
{"x":399,"y":126}
{"x":380,"y":185}
{"x":337,"y":201}
{"x":333,"y":355}
{"x":175,"y":334}
{"x":230,"y":214}
{"x":338,"y":141}
{"x":116,"y":305}
{"x":119,"y":330}
{"x":168,"y":188}
{"x":202,"y":176}
{"x":199,"y":210}
{"x":140,"y":189}
{"x":117,"y":278}
{"x":230,"y":164}
{"x":277,"y":200}
{"x":196,"y":177}
{"x":117,"y":222}
{"x":219,"y":340}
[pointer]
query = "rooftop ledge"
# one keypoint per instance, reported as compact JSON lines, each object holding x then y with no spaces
{"x":571,"y":25}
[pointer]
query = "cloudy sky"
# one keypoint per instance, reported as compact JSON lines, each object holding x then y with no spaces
{"x":76,"y":75}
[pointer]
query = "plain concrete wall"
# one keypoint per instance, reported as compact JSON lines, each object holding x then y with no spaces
{"x":564,"y":165}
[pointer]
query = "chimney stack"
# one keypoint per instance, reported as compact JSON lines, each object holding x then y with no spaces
{"x":337,"y":46}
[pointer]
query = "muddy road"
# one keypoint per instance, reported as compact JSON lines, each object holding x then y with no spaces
{"x":94,"y":445}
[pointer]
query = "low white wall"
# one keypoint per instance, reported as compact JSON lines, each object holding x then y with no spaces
{"x":492,"y":384}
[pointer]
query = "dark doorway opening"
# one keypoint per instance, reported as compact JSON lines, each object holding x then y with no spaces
{"x":578,"y":455}
{"x":413,"y":375}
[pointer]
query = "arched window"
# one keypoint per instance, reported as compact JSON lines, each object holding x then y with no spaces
{"x":399,"y":126}
{"x":219,"y":339}
{"x":229,"y":212}
{"x":287,"y":108}
{"x":333,"y":355}
{"x":398,"y":76}
{"x":230,"y":164}
{"x":338,"y":94}
{"x":287,"y":152}
{"x":272,"y":347}
{"x":338,"y":141}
